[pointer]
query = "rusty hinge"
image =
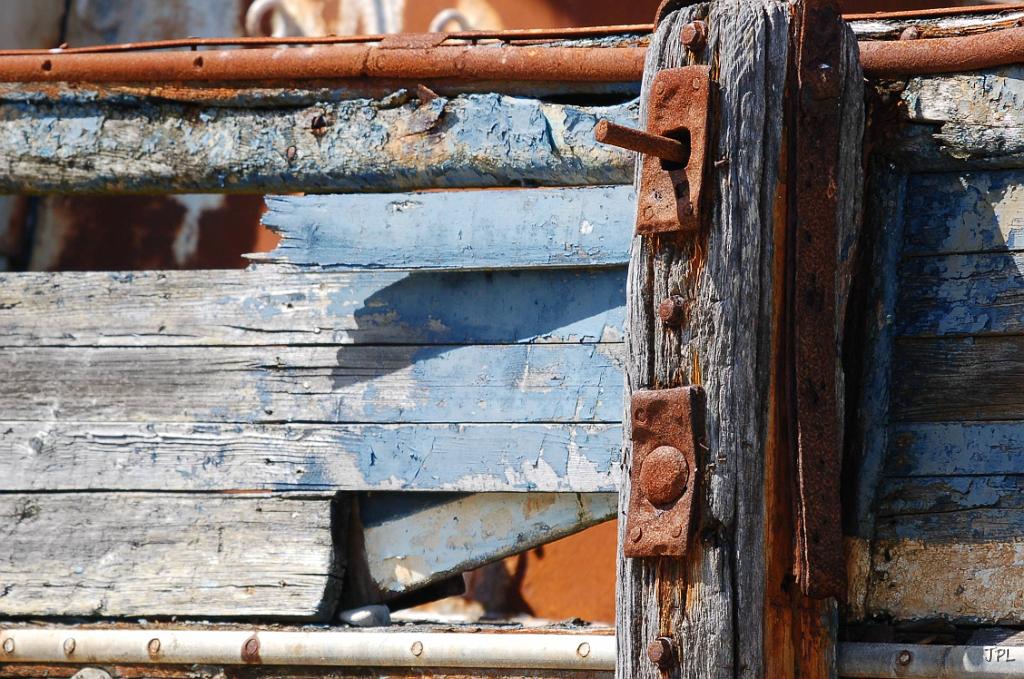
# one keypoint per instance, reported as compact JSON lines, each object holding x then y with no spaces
{"x":674,"y":148}
{"x":668,"y":429}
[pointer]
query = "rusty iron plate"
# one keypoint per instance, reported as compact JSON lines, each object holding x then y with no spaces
{"x":670,"y":193}
{"x":668,"y":427}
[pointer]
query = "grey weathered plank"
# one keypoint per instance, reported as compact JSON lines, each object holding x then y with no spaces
{"x":979,"y":294}
{"x":398,"y":142}
{"x":491,"y":229}
{"x":412,"y":541}
{"x":963,"y":212}
{"x":956,"y":380}
{"x":69,"y":456}
{"x":109,"y":554}
{"x":956,"y":448}
{"x":339,"y":384}
{"x":271,"y":307}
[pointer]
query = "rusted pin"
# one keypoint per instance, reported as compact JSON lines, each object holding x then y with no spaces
{"x":660,"y":652}
{"x":656,"y":145}
{"x":694,"y":35}
{"x":672,"y":311}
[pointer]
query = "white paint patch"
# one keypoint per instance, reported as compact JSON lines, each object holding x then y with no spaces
{"x":186,"y":242}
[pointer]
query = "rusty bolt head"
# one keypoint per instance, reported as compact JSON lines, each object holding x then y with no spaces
{"x":904,"y":658}
{"x":672,"y":311}
{"x":153,"y":647}
{"x":69,"y":646}
{"x":660,"y":652}
{"x":636,"y":534}
{"x":251,"y":650}
{"x":664,"y":475}
{"x":8,"y":645}
{"x":694,"y":35}
{"x":910,"y":33}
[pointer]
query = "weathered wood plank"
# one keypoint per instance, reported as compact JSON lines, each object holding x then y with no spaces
{"x":69,"y":456}
{"x":951,"y":509}
{"x":454,"y":230}
{"x":956,"y":448}
{"x":935,"y":26}
{"x":108,"y":554}
{"x":964,"y":212}
{"x":344,"y":384}
{"x":394,"y":143}
{"x":962,"y":295}
{"x":271,"y":307}
{"x":979,"y":583}
{"x":413,"y":540}
{"x":957,"y":380}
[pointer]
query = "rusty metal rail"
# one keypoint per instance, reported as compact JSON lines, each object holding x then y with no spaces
{"x":943,"y":55}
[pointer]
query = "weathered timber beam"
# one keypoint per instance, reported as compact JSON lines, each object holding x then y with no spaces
{"x":271,"y":307}
{"x":161,"y":554}
{"x":492,"y":229}
{"x":88,"y":145}
{"x":411,"y":541}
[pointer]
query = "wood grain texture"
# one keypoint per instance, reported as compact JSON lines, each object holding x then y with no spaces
{"x":713,"y":601}
{"x":113,"y":554}
{"x":956,"y":449}
{"x":84,"y":144}
{"x":212,"y":457}
{"x":956,"y":380}
{"x":454,"y":230}
{"x":268,"y":306}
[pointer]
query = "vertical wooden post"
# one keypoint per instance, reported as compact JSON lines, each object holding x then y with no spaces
{"x":732,"y":607}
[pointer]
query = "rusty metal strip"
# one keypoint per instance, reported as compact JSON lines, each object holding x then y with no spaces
{"x":942,"y":55}
{"x":820,"y":567}
{"x":668,"y":428}
{"x":588,"y":64}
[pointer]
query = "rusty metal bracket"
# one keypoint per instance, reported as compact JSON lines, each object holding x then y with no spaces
{"x":820,"y":566}
{"x":668,"y":429}
{"x":674,"y":148}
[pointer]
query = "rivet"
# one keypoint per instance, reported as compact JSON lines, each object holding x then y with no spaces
{"x":153,"y":646}
{"x":636,"y":534}
{"x":677,"y":532}
{"x":417,"y":648}
{"x":251,"y":650}
{"x":672,"y":310}
{"x":664,"y":475}
{"x":694,"y":35}
{"x":641,"y":415}
{"x":910,"y":33}
{"x":583,"y":650}
{"x":8,"y":645}
{"x":69,"y":646}
{"x":904,"y":658}
{"x":660,"y":652}
{"x":198,"y":62}
{"x":47,"y":65}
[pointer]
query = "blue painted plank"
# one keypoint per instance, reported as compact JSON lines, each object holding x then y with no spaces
{"x":956,"y":448}
{"x":268,"y":307}
{"x":90,"y":456}
{"x":951,"y":212}
{"x":338,"y":384}
{"x":977,"y":294}
{"x":507,"y":229}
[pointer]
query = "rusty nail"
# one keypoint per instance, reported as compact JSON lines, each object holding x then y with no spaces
{"x":672,"y":311}
{"x":636,"y":534}
{"x":69,"y":646}
{"x":657,"y":145}
{"x":660,"y":652}
{"x":417,"y":648}
{"x":904,"y":658}
{"x":153,"y":647}
{"x":664,"y":475}
{"x":8,"y":645}
{"x":694,"y":35}
{"x":583,"y":650}
{"x":910,"y":33}
{"x":251,"y":650}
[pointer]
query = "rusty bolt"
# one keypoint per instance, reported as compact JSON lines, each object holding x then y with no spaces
{"x":69,"y":646}
{"x":636,"y":534}
{"x":694,"y":35}
{"x":8,"y":645}
{"x":251,"y":650}
{"x":664,"y":475}
{"x":153,"y":647}
{"x":904,"y":658}
{"x":910,"y":33}
{"x":660,"y":652}
{"x":672,"y":311}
